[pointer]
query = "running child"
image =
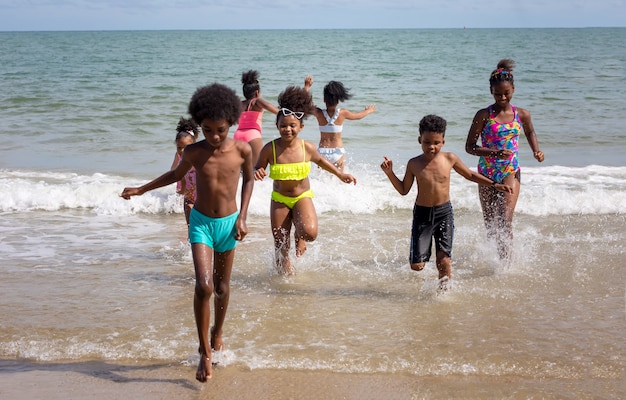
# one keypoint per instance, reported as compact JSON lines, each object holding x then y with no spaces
{"x":186,"y":134}
{"x":499,"y":126}
{"x":432,"y":212}
{"x":331,"y":120}
{"x":215,"y":224}
{"x":250,"y":126}
{"x":289,"y":159}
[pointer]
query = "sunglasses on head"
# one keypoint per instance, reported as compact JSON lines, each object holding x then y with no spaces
{"x":287,"y":112}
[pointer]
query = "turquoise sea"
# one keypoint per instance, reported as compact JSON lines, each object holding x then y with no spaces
{"x":88,"y":276}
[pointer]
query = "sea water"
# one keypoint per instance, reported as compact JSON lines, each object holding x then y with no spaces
{"x":87,"y":275}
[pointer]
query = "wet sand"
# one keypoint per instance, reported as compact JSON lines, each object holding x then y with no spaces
{"x":99,"y":380}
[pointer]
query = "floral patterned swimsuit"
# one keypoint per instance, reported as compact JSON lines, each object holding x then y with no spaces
{"x":500,"y":136}
{"x":188,"y":190}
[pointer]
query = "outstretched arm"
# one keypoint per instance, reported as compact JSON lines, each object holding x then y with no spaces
{"x":470,"y":175}
{"x":167,"y":178}
{"x":326,"y":165}
{"x":266,"y":105}
{"x":163,"y":180}
{"x":402,"y":186}
{"x":529,"y":131}
{"x":349,"y":115}
{"x":308,"y":82}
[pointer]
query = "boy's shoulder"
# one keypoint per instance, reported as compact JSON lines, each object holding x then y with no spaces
{"x":450,"y":156}
{"x":423,"y":158}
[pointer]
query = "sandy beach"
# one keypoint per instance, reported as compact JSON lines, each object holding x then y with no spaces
{"x":97,"y":291}
{"x":99,"y":380}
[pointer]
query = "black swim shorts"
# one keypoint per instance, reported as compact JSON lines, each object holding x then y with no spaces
{"x":428,"y":223}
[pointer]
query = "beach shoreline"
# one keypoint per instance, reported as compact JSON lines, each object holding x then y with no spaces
{"x":147,"y":381}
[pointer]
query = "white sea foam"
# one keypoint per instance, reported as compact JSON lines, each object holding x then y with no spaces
{"x":545,"y":191}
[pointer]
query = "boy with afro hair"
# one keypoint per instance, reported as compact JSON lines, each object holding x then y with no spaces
{"x":215,"y":224}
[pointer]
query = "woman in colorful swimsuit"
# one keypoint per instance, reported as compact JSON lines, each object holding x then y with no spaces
{"x":250,"y":127}
{"x":499,"y":127}
{"x":331,"y":119}
{"x":289,"y":159}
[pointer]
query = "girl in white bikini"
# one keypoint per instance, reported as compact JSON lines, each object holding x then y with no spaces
{"x":331,"y":119}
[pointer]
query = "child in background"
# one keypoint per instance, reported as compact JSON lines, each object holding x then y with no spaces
{"x":432,"y":212}
{"x":499,"y":127}
{"x":289,"y":159}
{"x":331,"y":119}
{"x":186,"y":134}
{"x":215,"y":224}
{"x":250,"y":126}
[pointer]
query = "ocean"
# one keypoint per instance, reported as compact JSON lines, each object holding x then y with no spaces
{"x":89,"y":276}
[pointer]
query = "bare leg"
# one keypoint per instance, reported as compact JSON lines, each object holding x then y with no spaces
{"x":281,"y":219}
{"x":202,"y":257}
{"x":221,"y":283}
{"x":443,"y":265}
{"x":341,"y":163}
{"x":498,"y":209}
{"x":305,"y":223}
{"x":506,"y":217}
{"x":489,"y":203}
{"x":257,"y":145}
{"x":445,"y":270}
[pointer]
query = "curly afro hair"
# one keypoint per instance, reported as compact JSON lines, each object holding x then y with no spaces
{"x":296,"y":99}
{"x":432,"y":123}
{"x":214,"y":102}
{"x":187,"y":125}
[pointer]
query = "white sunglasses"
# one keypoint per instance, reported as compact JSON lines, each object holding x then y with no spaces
{"x":287,"y":112}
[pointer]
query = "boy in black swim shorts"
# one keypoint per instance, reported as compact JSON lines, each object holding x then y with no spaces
{"x":432,"y":213}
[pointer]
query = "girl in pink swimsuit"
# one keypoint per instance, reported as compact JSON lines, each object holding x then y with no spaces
{"x":186,"y":134}
{"x":499,"y":126}
{"x":249,"y":128}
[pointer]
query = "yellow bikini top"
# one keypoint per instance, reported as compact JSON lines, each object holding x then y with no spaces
{"x":291,"y":171}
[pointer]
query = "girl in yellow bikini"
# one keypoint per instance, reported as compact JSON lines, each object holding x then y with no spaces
{"x":289,"y":159}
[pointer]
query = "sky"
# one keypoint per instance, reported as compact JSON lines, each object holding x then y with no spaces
{"x":62,"y":15}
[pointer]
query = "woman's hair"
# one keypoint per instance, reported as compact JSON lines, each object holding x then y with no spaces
{"x":503,"y":72}
{"x":334,"y":92}
{"x":250,"y":81}
{"x":296,"y":99}
{"x":186,"y":127}
{"x":215,"y":102}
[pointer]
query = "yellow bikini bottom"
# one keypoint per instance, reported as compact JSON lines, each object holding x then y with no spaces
{"x":291,"y":201}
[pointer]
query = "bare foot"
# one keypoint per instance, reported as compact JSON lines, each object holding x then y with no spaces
{"x":287,"y":268}
{"x":418,"y":266}
{"x":300,"y":247}
{"x":444,"y":285}
{"x":284,"y":266}
{"x":204,"y":372}
{"x":217,"y":344}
